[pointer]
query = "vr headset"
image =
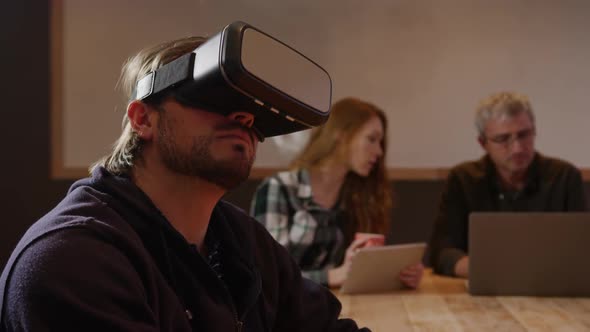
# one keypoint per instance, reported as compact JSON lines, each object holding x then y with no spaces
{"x":243,"y":69}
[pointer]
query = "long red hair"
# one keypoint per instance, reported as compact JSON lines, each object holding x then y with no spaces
{"x":366,"y":200}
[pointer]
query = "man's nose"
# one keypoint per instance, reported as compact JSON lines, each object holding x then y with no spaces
{"x":516,"y":145}
{"x":244,"y":118}
{"x":379,"y":151}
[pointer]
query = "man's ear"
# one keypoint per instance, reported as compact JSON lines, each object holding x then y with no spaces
{"x":141,"y":119}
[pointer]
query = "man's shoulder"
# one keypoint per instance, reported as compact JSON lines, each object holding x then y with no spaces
{"x":555,"y":166}
{"x":470,"y":170}
{"x":83,"y":207}
{"x":79,"y":234}
{"x":80,"y":214}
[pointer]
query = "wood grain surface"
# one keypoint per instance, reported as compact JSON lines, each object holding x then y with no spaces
{"x":443,"y":304}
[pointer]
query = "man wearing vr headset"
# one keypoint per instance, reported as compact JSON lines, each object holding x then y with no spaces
{"x":146,"y":244}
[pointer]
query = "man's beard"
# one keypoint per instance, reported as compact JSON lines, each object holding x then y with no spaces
{"x":199,"y":162}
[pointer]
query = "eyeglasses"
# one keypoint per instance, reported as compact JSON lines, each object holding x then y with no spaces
{"x":524,"y":136}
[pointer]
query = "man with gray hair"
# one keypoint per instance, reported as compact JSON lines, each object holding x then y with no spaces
{"x":511,"y":176}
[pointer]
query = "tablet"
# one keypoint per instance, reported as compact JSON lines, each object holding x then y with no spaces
{"x":376,"y":269}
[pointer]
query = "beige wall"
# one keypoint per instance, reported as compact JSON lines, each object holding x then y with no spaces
{"x":426,"y":62}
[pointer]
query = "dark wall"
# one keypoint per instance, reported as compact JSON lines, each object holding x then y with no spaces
{"x":27,"y":193}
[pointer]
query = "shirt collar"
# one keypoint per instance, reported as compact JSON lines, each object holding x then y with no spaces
{"x":533,"y":177}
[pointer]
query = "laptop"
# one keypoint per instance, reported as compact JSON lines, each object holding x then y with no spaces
{"x":529,"y":254}
{"x":376,"y":269}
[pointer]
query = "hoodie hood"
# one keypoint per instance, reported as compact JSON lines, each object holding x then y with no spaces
{"x":141,"y":213}
{"x":166,"y":245}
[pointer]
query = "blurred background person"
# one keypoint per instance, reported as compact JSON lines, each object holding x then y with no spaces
{"x":511,"y":176}
{"x":335,"y":188}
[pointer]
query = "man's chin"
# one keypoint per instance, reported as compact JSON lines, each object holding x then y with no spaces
{"x":230,"y":174}
{"x":231,"y":151}
{"x":520,"y":167}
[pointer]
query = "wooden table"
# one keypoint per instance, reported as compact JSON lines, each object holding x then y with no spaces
{"x":443,"y":304}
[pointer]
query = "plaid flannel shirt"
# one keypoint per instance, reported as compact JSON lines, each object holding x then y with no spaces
{"x":313,"y":235}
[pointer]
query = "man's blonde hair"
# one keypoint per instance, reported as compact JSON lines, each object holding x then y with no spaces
{"x":127,"y":149}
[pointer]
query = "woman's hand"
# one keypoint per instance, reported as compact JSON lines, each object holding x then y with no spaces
{"x":411,"y":275}
{"x":336,"y":276}
{"x":462,"y":267}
